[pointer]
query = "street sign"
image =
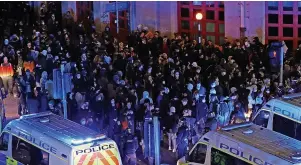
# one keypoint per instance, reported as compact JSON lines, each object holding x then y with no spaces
{"x":111,"y":7}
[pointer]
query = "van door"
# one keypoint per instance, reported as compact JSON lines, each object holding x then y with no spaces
{"x":199,"y":155}
{"x":6,"y":150}
{"x":27,"y":153}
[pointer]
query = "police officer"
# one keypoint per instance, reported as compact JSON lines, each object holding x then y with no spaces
{"x":130,"y":148}
{"x":182,"y":140}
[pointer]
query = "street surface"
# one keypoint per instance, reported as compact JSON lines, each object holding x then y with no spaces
{"x":167,"y":157}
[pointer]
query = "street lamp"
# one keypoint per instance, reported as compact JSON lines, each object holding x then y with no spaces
{"x":199,"y":17}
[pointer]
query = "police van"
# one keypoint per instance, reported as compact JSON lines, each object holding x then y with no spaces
{"x":48,"y":139}
{"x":282,"y":115}
{"x":244,"y":144}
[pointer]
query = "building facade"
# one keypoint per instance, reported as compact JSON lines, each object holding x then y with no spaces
{"x":269,"y":21}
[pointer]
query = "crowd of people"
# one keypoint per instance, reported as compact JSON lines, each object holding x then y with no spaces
{"x":192,"y":87}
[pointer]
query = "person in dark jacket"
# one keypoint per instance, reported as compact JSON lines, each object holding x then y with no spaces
{"x":130,"y":148}
{"x":182,"y":141}
{"x":201,"y":108}
{"x":171,"y":126}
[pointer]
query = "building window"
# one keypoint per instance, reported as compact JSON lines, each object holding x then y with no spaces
{"x":299,"y":32}
{"x":184,"y":12}
{"x":185,"y":3}
{"x":210,"y":14}
{"x":272,"y":5}
{"x":211,"y":38}
{"x":221,"y":4}
{"x":184,"y":34}
{"x":197,"y":3}
{"x":289,"y":44}
{"x":288,"y":19}
{"x":210,"y":27}
{"x":271,"y":41}
{"x":299,"y":19}
{"x":287,"y":6}
{"x":212,"y":24}
{"x":210,"y":3}
{"x":221,"y":15}
{"x":288,"y":32}
{"x":273,"y":18}
{"x":221,"y":28}
{"x":185,"y":25}
{"x":299,"y":6}
{"x":273,"y":31}
{"x":221,"y":40}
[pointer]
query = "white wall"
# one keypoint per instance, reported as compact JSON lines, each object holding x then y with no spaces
{"x":254,"y":19}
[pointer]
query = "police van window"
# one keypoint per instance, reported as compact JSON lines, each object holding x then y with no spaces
{"x":28,"y":154}
{"x":220,"y":158}
{"x":4,"y":141}
{"x":198,"y":155}
{"x":262,"y":118}
{"x":281,"y":125}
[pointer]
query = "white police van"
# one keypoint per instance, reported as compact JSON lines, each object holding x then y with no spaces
{"x":48,"y":139}
{"x":244,"y":144}
{"x":282,"y":115}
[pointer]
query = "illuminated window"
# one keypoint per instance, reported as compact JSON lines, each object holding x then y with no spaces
{"x":210,"y":27}
{"x":210,"y":3}
{"x":197,"y":3}
{"x":211,"y":38}
{"x":185,"y":24}
{"x":272,"y":5}
{"x":221,"y":28}
{"x":221,"y":40}
{"x":221,"y":4}
{"x":287,"y":6}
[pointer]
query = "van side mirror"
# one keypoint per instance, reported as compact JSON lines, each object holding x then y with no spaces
{"x":4,"y":139}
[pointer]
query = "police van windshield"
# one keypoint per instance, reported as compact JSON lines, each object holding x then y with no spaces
{"x":221,"y":158}
{"x":281,"y":125}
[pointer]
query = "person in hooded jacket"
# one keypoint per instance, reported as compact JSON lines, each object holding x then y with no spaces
{"x":171,"y":126}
